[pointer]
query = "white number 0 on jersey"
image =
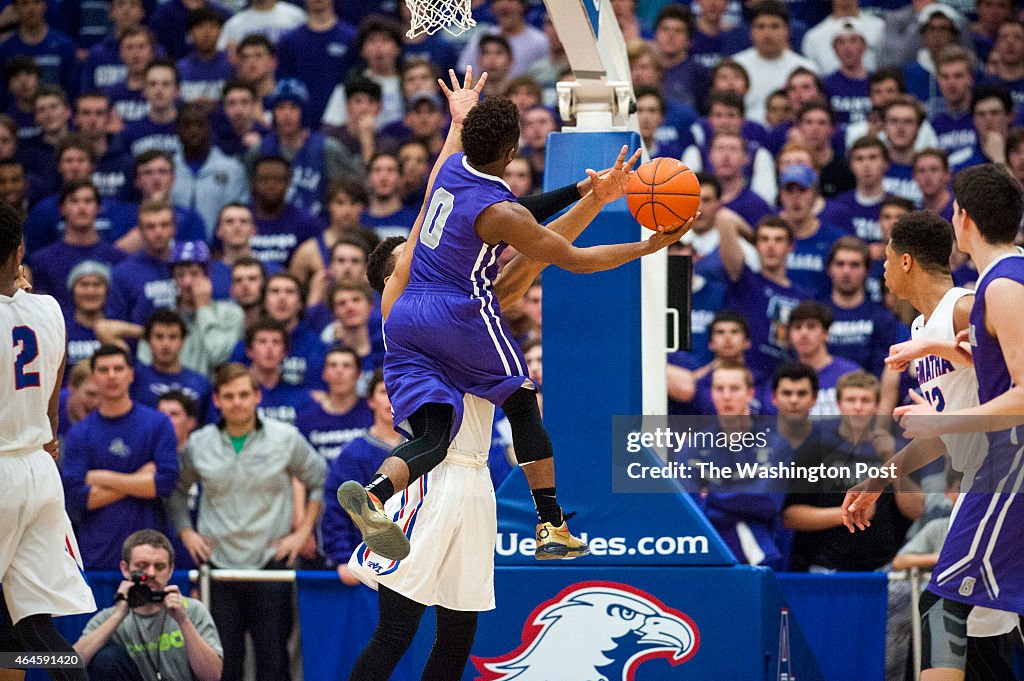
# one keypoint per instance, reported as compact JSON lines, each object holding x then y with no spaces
{"x":441,"y":204}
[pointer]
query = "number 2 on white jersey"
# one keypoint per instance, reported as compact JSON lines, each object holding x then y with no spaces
{"x":441,"y":204}
{"x":25,"y":337}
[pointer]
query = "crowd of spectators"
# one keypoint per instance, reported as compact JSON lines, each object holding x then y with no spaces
{"x":202,"y":183}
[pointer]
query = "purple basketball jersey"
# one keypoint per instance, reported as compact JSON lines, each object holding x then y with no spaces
{"x":445,"y":336}
{"x":981,"y":561}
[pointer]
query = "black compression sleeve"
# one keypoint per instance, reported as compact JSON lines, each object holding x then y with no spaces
{"x":543,"y":206}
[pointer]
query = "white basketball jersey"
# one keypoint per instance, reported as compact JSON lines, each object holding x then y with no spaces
{"x":473,"y":441}
{"x":32,"y":345}
{"x":949,"y":386}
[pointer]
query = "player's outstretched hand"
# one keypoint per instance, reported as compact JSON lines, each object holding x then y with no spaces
{"x":610,"y":184}
{"x":662,"y":237}
{"x":462,"y":98}
{"x":919,"y":419}
{"x":859,"y":504}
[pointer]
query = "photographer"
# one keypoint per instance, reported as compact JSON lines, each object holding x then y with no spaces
{"x":151,"y":632}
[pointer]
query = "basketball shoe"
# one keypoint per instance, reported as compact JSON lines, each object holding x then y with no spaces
{"x":380,"y":535}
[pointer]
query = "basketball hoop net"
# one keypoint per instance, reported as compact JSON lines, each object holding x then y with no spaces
{"x":430,"y":16}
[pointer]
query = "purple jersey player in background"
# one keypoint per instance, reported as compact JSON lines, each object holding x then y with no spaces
{"x":981,"y":562}
{"x":469,"y":218}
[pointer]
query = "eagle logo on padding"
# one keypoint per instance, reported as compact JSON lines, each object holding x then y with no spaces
{"x":594,"y":631}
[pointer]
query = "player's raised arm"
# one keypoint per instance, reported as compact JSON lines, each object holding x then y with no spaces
{"x":461,"y":99}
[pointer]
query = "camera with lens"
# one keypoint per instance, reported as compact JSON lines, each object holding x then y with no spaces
{"x":141,"y":593}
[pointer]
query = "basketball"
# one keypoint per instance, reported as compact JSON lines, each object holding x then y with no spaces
{"x":664,"y":193}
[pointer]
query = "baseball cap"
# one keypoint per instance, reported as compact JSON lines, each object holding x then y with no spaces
{"x":87,"y":267}
{"x":847,"y":28}
{"x":800,"y":174}
{"x":423,"y":96}
{"x":289,"y":90}
{"x":938,"y":8}
{"x":190,"y":252}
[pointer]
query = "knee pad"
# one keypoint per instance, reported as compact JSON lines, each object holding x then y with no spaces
{"x":943,"y":632}
{"x":529,"y":438}
{"x":432,"y":425}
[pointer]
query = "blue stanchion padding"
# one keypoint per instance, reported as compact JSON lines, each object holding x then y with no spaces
{"x":592,"y":372}
{"x":843,"y":618}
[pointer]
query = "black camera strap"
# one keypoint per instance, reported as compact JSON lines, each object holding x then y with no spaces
{"x":145,"y":648}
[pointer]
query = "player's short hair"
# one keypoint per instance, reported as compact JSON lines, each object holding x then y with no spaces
{"x":934,"y":153}
{"x":816,"y":105}
{"x":376,"y":378}
{"x":730,"y":317}
{"x":237,"y":84}
{"x":795,"y":371}
{"x":381,"y":262}
{"x":265,"y":324}
{"x":729,"y":98}
{"x":954,"y":54}
{"x":11,"y":232}
{"x":992,"y":91}
{"x":257,"y":40}
{"x":651,"y":91}
{"x":187,"y":402}
{"x":19,"y":64}
{"x":774,"y":222}
{"x":109,"y":350}
{"x":858,"y":379}
{"x":897,"y":201}
{"x":133,"y":31}
{"x":709,"y":180}
{"x":339,"y":349}
{"x":350,"y":187}
{"x":498,"y":40}
{"x":907,"y":101}
{"x":162,"y":63}
{"x":158,"y":540}
{"x":164,"y":317}
{"x":926,"y":238}
{"x":869,"y":142}
{"x":992,"y":198}
{"x":250,"y":261}
{"x":491,"y":128}
{"x":50,"y":90}
{"x":151,"y":155}
{"x":729,"y":64}
{"x":731,"y":365}
{"x":678,"y":12}
{"x":230,"y":371}
{"x":811,"y":311}
{"x":849,"y":243}
{"x":888,"y":73}
{"x":770,"y":8}
{"x":70,"y":188}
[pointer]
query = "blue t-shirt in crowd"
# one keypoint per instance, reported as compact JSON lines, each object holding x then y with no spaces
{"x":168,"y":22}
{"x":956,"y":133}
{"x":44,"y":225}
{"x":129,"y":103}
{"x":54,"y":55}
{"x":81,"y":342}
{"x":139,"y":285}
{"x":123,"y":445}
{"x":143,"y":135}
{"x":282,"y":402}
{"x":899,"y":180}
{"x":149,"y":385}
{"x":805,"y":264}
{"x":750,"y":206}
{"x":204,"y":79}
{"x":321,"y":59}
{"x":331,"y":433}
{"x":114,"y":171}
{"x":188,"y":223}
{"x":847,"y":213}
{"x":50,"y":266}
{"x":304,"y":364}
{"x":862,"y":334}
{"x":848,"y":97}
{"x":103,"y":67}
{"x":709,"y":50}
{"x":277,"y":238}
{"x":766,"y":305}
{"x":396,"y":224}
{"x":828,"y":376}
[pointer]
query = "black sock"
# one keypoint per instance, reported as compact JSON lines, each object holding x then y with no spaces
{"x":381,"y":487}
{"x":548,"y":510}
